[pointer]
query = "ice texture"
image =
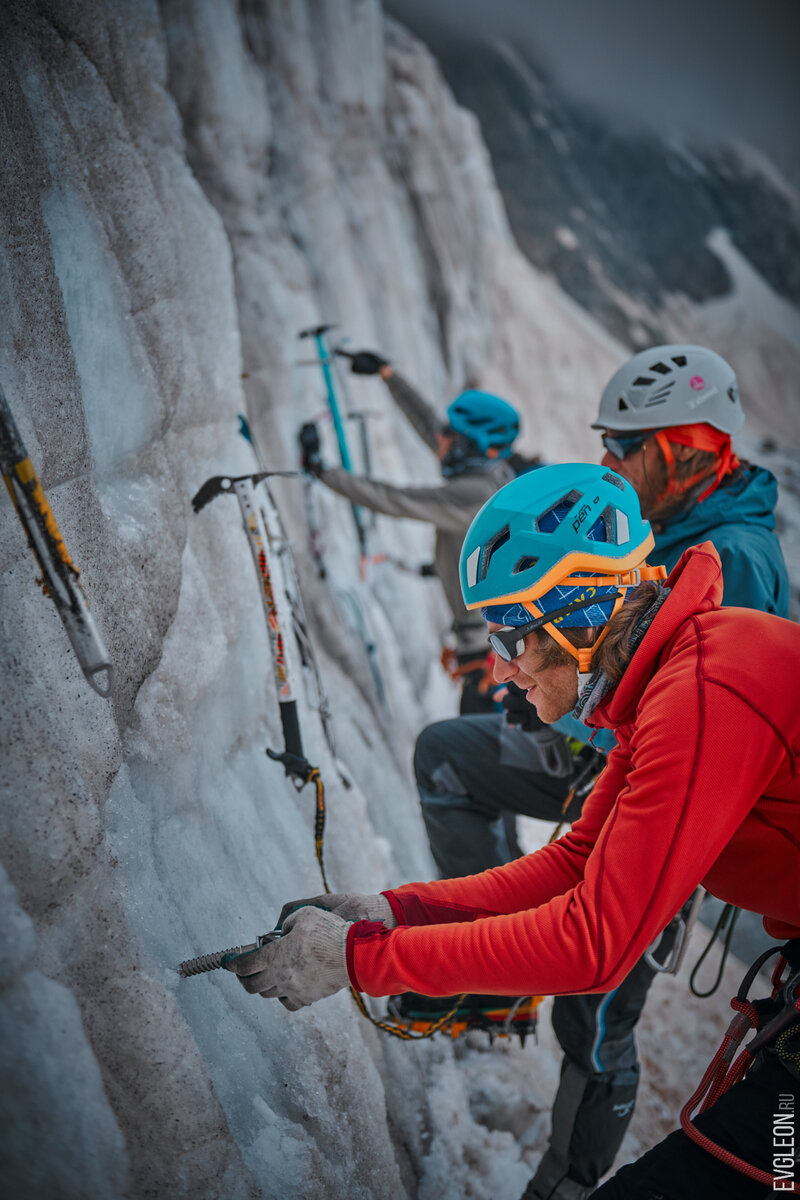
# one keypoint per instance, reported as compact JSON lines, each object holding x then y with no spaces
{"x":188,"y":185}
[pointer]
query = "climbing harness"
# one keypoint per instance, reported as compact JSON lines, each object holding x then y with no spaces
{"x":725,"y":1070}
{"x":60,"y":579}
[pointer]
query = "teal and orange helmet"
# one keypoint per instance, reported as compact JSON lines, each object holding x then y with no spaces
{"x":552,"y":538}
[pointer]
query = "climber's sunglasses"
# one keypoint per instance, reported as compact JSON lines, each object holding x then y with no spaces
{"x":623,"y":444}
{"x":509,"y":643}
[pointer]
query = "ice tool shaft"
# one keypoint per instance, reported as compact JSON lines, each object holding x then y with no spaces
{"x":212,"y":962}
{"x":60,"y":577}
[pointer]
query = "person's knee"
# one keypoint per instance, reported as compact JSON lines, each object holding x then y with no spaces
{"x":430,"y":751}
{"x":598,"y":1039}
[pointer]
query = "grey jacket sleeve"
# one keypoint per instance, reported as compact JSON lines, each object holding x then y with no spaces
{"x":450,"y":506}
{"x":415,"y":408}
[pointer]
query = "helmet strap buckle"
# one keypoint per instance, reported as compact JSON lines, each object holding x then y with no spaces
{"x":585,"y":659}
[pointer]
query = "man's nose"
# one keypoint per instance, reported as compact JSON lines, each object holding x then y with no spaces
{"x":502,"y":670}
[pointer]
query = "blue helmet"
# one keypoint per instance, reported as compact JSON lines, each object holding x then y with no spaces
{"x":551,"y":538}
{"x":491,"y":423}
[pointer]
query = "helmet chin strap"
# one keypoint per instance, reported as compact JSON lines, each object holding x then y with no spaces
{"x":582,"y":654}
{"x":726,"y":462}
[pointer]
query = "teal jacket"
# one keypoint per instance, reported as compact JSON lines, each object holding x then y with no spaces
{"x":739,"y":518}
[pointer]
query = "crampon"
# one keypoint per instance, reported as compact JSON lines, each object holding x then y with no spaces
{"x":498,"y":1016}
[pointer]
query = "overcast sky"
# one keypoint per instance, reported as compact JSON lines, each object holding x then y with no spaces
{"x":715,"y":69}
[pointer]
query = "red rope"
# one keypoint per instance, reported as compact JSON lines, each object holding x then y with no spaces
{"x":720,"y":1075}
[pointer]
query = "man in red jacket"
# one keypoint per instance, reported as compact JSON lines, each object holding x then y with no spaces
{"x":703,"y":786}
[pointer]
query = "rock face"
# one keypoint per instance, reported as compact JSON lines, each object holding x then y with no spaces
{"x":186,"y":187}
{"x":630,"y":225}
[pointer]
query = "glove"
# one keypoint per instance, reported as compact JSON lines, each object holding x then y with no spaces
{"x":306,"y":963}
{"x":310,"y":457}
{"x":365,"y":362}
{"x":347,"y":905}
{"x":518,"y":711}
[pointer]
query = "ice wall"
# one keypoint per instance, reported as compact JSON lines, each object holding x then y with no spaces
{"x":186,"y":186}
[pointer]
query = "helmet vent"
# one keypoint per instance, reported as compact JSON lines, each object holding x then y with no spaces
{"x":610,"y":477}
{"x":623,"y":407}
{"x":549,"y":520}
{"x":612,"y":526}
{"x":490,"y":548}
{"x":679,"y":360}
{"x":603,"y":528}
{"x":662,"y":368}
{"x":643,"y":381}
{"x":524,"y":564}
{"x":661,"y":395}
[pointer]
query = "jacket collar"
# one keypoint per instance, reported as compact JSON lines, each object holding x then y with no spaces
{"x":695,"y":585}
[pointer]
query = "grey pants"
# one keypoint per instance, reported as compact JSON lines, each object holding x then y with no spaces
{"x":474,"y":774}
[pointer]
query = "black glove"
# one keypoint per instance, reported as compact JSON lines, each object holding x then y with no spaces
{"x":310,"y":449}
{"x":518,"y":711}
{"x":365,"y":362}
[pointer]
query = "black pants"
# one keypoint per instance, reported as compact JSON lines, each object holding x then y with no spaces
{"x":474,"y":773}
{"x":741,"y":1121}
{"x":756,"y":1120}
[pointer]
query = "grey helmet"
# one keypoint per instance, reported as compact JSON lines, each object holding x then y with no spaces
{"x":672,"y":385}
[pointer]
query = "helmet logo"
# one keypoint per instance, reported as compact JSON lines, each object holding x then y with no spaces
{"x":583,"y":513}
{"x":697,"y":383}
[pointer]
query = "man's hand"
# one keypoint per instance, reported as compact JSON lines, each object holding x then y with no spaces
{"x":364,"y":362}
{"x":518,"y":711}
{"x":306,"y":963}
{"x":310,"y":456}
{"x":350,"y":906}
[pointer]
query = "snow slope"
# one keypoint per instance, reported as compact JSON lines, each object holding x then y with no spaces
{"x":188,"y":186}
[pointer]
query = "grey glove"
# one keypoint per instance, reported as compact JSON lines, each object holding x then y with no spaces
{"x":306,"y":963}
{"x":347,"y":905}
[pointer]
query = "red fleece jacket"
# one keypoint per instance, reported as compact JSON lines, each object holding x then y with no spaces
{"x":703,"y":787}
